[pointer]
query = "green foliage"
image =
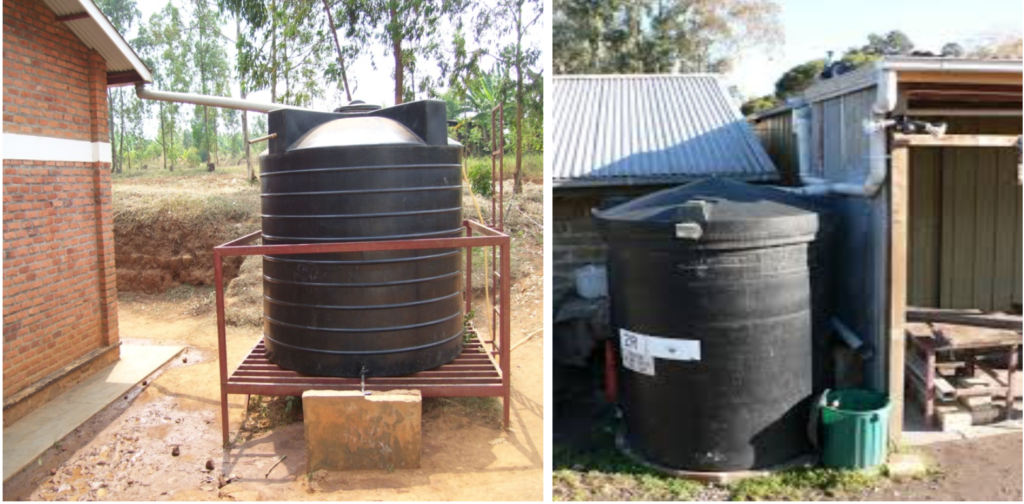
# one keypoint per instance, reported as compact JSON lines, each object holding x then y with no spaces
{"x":759,"y":104}
{"x":467,"y":320}
{"x":604,"y":473}
{"x":598,"y":486}
{"x":292,"y":49}
{"x":408,"y":29}
{"x":892,"y":43}
{"x":953,"y":50}
{"x":798,"y":78}
{"x":614,"y":36}
{"x":480,"y":179}
{"x":803,"y":484}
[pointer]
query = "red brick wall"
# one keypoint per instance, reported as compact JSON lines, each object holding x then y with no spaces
{"x":46,"y":75}
{"x":59,"y":292}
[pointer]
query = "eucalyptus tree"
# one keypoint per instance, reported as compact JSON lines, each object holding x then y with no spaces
{"x":166,"y":49}
{"x":124,"y":109}
{"x":209,"y":59}
{"x":659,"y":36}
{"x":513,"y":18}
{"x":408,"y":29}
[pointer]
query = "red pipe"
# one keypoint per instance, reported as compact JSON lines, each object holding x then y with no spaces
{"x":611,"y":373}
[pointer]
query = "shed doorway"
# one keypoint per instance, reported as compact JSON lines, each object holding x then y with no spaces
{"x":965,"y":223}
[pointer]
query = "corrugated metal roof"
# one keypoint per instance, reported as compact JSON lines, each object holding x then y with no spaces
{"x":650,"y":129}
{"x":867,"y":75}
{"x":96,"y":32}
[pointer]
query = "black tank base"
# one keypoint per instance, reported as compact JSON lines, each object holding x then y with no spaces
{"x":720,"y":477}
{"x":401,"y":363}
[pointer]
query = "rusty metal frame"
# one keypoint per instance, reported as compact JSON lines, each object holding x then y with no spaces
{"x":469,"y":375}
{"x":497,"y":217}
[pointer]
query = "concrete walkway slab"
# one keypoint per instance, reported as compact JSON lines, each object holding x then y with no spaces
{"x":29,"y":437}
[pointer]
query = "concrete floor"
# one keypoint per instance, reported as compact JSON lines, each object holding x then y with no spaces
{"x":41,"y":429}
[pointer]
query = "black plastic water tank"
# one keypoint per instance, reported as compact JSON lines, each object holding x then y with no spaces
{"x":362,"y":175}
{"x":710,"y":297}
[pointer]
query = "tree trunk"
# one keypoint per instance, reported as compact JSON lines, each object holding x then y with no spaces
{"x":273,"y":51}
{"x":287,"y":72}
{"x":337,"y":46}
{"x":172,"y":146}
{"x":163,"y":135}
{"x":396,"y":48}
{"x":120,"y":155}
{"x":518,"y":187}
{"x":245,"y":114}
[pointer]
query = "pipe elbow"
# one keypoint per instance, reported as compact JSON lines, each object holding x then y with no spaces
{"x":886,"y":92}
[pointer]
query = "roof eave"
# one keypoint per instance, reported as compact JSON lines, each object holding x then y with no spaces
{"x":139,"y":71}
{"x":599,"y":182}
{"x":867,"y":76}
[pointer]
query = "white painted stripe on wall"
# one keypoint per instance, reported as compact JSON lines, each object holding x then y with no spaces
{"x":40,"y":148}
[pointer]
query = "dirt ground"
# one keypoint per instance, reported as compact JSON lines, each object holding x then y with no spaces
{"x":125,"y":451}
{"x":588,"y":466}
{"x":981,"y":469}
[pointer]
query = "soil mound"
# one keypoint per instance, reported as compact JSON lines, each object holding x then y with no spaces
{"x":164,"y":238}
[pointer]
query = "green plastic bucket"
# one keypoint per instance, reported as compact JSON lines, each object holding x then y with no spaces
{"x":855,"y":428}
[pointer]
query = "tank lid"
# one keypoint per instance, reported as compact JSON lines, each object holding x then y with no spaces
{"x":415,"y":123}
{"x":359,"y":130}
{"x":357,"y":107}
{"x":716,"y":211}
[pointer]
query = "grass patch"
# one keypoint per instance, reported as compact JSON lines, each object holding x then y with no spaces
{"x":533,"y":166}
{"x":265,"y":414}
{"x":244,"y":295}
{"x":598,"y":486}
{"x":142,"y":208}
{"x":157,"y":170}
{"x":523,"y":222}
{"x":603,"y":473}
{"x":486,"y":410}
{"x":803,"y":484}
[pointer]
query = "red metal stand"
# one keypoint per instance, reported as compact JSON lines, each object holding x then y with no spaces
{"x":482,"y":370}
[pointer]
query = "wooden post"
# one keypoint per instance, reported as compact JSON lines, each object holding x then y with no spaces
{"x":1011,"y":370}
{"x":899,"y":183}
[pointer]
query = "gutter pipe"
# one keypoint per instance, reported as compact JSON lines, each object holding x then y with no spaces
{"x":852,"y":340}
{"x":210,"y":101}
{"x":878,"y":155}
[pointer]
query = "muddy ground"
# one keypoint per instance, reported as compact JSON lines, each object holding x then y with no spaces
{"x":125,"y":451}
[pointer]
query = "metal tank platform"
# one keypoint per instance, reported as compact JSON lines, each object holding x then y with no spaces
{"x":481,"y":370}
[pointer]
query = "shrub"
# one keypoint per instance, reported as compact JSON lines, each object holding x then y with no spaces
{"x":480,"y":179}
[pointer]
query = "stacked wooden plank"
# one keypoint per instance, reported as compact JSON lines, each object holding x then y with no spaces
{"x":946,"y":351}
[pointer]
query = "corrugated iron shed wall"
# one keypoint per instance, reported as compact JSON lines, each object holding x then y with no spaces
{"x":776,"y":134}
{"x":965,"y":222}
{"x":839,"y":153}
{"x":651,"y":129}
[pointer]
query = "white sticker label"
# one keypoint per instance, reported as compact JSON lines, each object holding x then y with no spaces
{"x":640,"y":350}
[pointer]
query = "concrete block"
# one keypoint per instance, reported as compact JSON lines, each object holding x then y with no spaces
{"x":349,"y":430}
{"x":975,"y":402}
{"x":906,"y":465}
{"x":986,"y":414}
{"x":955,"y":420}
